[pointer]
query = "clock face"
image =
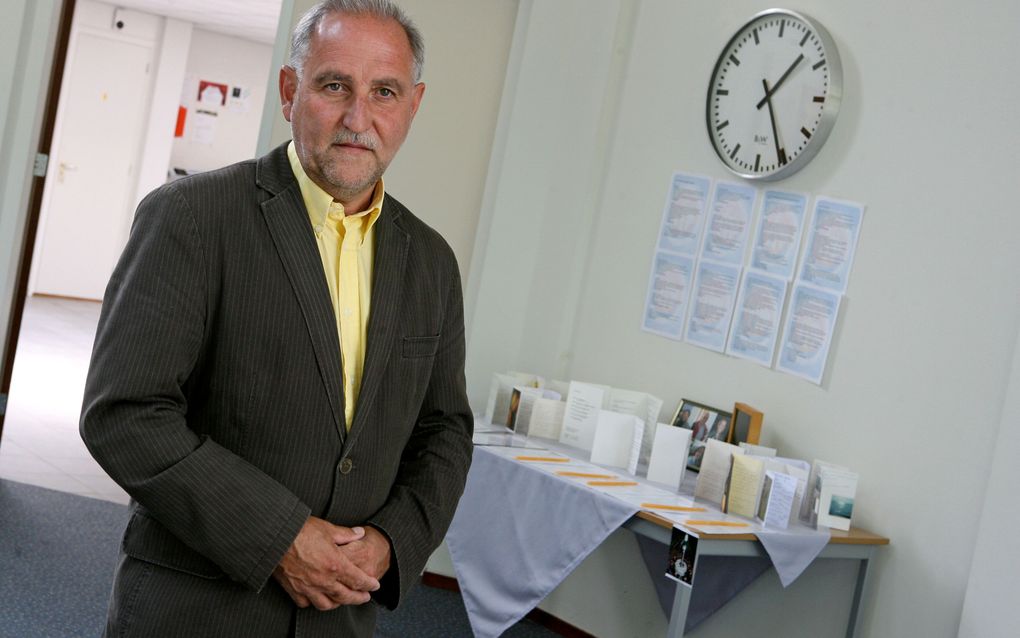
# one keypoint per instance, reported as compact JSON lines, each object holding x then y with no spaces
{"x":774,"y":95}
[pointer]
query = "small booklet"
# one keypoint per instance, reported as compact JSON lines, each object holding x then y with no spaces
{"x":777,"y":498}
{"x":546,"y":418}
{"x":747,"y":475}
{"x":617,"y":441}
{"x":829,"y":500}
{"x":715,"y":470}
{"x":757,"y":450}
{"x":669,"y":455}
{"x":497,"y":408}
{"x":837,"y":488}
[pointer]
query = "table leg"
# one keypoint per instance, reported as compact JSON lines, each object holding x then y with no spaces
{"x":859,"y":591}
{"x":678,"y":615}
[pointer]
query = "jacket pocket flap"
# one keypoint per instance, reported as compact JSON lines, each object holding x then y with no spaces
{"x":420,"y":346}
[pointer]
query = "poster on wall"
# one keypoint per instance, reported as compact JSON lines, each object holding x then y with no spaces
{"x":832,"y":242}
{"x":212,"y":93}
{"x":239,"y":100}
{"x":203,"y":127}
{"x":715,"y":291}
{"x":684,"y":216}
{"x":777,"y":239}
{"x":729,"y":223}
{"x":756,"y":319}
{"x":668,"y":290}
{"x":807,"y":332}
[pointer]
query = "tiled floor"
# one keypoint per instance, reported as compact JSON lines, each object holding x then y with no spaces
{"x":40,"y":443}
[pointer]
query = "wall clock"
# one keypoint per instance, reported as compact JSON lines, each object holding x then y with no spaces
{"x":774,"y":95}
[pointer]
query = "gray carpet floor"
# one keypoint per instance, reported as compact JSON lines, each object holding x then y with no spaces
{"x":57,"y":553}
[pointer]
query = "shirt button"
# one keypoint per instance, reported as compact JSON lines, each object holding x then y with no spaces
{"x":347,"y":312}
{"x":346,"y":466}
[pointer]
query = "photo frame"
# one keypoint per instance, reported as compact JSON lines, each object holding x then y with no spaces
{"x":705,"y":422}
{"x":746,"y":424}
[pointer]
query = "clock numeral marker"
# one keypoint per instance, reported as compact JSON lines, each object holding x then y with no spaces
{"x":755,"y":32}
{"x":818,"y":98}
{"x":782,"y":25}
{"x":734,"y":60}
{"x":733,"y":155}
{"x":722,"y":92}
{"x":818,"y":64}
{"x":782,"y":156}
{"x":722,"y":125}
{"x":806,"y":133}
{"x":804,"y":39}
{"x":757,"y":162}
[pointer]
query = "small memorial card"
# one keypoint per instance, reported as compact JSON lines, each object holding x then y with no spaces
{"x":715,"y":470}
{"x":581,"y":415}
{"x":777,"y":500}
{"x":669,"y":455}
{"x":683,"y":556}
{"x":617,"y":441}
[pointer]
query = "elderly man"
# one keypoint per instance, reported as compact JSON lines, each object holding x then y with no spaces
{"x":278,"y":375}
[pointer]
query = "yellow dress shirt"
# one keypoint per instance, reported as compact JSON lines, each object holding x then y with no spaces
{"x":347,"y":247}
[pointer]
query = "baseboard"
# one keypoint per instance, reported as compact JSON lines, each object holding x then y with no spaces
{"x":543,"y":618}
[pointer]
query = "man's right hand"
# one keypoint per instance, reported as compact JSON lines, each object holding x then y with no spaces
{"x":315,"y":572}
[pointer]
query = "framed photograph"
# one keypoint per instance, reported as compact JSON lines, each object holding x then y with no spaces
{"x":704,"y":422}
{"x":746,"y":424}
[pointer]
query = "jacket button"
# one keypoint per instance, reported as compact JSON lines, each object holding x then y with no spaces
{"x":346,"y":465}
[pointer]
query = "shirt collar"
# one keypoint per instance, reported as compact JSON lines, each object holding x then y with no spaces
{"x":320,"y":203}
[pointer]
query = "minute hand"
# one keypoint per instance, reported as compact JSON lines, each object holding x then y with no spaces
{"x":779,"y":83}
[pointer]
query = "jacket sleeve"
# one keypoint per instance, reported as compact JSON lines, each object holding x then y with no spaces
{"x":435,"y":462}
{"x":135,"y":411}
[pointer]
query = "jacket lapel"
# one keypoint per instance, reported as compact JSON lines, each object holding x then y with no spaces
{"x":289,"y":227}
{"x":391,"y":246}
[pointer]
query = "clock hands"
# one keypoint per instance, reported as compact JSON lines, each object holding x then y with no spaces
{"x":782,"y":78}
{"x":780,"y":153}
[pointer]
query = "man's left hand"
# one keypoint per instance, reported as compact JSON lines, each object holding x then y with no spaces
{"x":370,"y":553}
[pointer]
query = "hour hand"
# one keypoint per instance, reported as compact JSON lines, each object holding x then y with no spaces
{"x":779,"y":82}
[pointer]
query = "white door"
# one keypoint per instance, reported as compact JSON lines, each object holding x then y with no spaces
{"x":93,"y":169}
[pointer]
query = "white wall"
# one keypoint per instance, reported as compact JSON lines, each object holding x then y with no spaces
{"x":235,"y":62}
{"x":916,"y":387}
{"x":440,"y":171}
{"x":171,"y":66}
{"x":990,"y":609}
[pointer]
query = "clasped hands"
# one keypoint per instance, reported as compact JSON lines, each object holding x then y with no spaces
{"x":328,"y":565}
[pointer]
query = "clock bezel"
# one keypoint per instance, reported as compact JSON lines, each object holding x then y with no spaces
{"x":830,"y":108}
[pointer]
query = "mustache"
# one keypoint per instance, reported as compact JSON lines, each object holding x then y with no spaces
{"x":346,"y":136}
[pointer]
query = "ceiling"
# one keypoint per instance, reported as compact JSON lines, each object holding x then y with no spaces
{"x":251,"y":19}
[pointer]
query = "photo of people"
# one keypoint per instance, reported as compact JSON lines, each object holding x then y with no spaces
{"x":683,"y":552}
{"x":705,"y":423}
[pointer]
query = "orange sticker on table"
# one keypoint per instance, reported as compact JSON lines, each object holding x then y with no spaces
{"x":672,"y":508}
{"x":611,"y":483}
{"x":550,"y":459}
{"x":715,"y":524}
{"x":585,"y":475}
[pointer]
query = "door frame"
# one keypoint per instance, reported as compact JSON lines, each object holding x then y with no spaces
{"x":34,"y":204}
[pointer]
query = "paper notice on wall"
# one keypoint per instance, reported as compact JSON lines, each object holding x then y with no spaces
{"x":239,"y":100}
{"x":777,"y":239}
{"x":714,"y":294}
{"x":807,"y":333}
{"x":203,"y":127}
{"x":756,"y":319}
{"x":729,"y":223}
{"x":832,"y":242}
{"x":684,"y":216}
{"x":212,"y":93}
{"x":668,"y":290}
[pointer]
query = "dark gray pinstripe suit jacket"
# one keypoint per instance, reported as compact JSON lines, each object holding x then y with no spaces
{"x":215,"y":399}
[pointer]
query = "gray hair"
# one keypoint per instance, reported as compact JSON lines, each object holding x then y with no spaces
{"x":301,"y":39}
